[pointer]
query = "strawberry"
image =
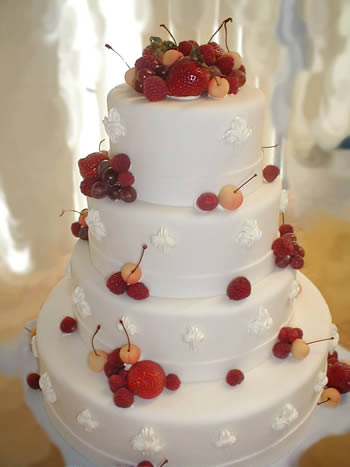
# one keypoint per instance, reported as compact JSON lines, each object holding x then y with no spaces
{"x":154,"y":88}
{"x":88,"y":165}
{"x":137,"y":291}
{"x":187,"y":78}
{"x":185,"y":47}
{"x":234,"y":377}
{"x":339,"y":377}
{"x":146,"y":379}
{"x":238,"y":288}
{"x":208,"y":54}
{"x":225,"y":63}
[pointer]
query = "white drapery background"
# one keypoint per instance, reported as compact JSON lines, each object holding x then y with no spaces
{"x":55,"y":75}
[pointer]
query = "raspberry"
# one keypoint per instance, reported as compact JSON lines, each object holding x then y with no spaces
{"x":299,"y":250}
{"x":148,"y":61}
{"x":75,"y":228}
{"x":238,"y":288}
{"x":68,"y":325}
{"x":126,"y":179}
{"x":207,"y":201}
{"x":242,"y":68}
{"x":285,"y":228}
{"x":218,"y":50}
{"x":116,"y":283}
{"x":114,"y":360}
{"x":84,"y":233}
{"x":137,"y":291}
{"x":332,"y":361}
{"x":120,"y":162}
{"x":282,"y":247}
{"x":282,"y":262}
{"x":333,"y":355}
{"x":291,"y":236}
{"x":116,"y":381}
{"x":281,"y":349}
{"x":123,"y":398}
{"x":138,"y":86}
{"x":86,"y":185}
{"x":297,"y":262}
{"x":234,"y":377}
{"x":155,"y":88}
{"x":225,"y":63}
{"x":146,"y":379}
{"x":33,"y":380}
{"x":294,"y":334}
{"x":283,"y":335}
{"x":271,"y":172}
{"x":339,"y":377}
{"x":185,"y":47}
{"x":110,"y":370}
{"x":146,"y":463}
{"x":187,"y":78}
{"x":208,"y":54}
{"x":172,"y":382}
{"x":88,"y":166}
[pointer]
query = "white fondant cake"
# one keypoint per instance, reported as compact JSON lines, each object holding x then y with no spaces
{"x":188,"y":325}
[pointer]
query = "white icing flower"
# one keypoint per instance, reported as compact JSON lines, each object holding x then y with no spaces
{"x":334,"y":342}
{"x":113,"y":126}
{"x":288,"y":415}
{"x":68,"y":270}
{"x":86,"y":420}
{"x":163,"y":240}
{"x":295,"y":290}
{"x":80,"y":302}
{"x":47,"y":388}
{"x":193,"y":336}
{"x":129,"y":326}
{"x":96,"y":228}
{"x":284,"y":201}
{"x":34,"y":347}
{"x":146,"y":441}
{"x":321,"y":381}
{"x":261,"y":322}
{"x":239,"y":131}
{"x":225,"y":438}
{"x":249,"y":234}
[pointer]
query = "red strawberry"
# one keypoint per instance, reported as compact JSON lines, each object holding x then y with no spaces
{"x":146,"y":379}
{"x":116,"y":283}
{"x":123,"y":398}
{"x":282,"y":247}
{"x":33,"y":380}
{"x":154,"y":88}
{"x":234,"y":377}
{"x":172,"y":382}
{"x":208,"y":54}
{"x":85,"y":186}
{"x":187,"y":78}
{"x":138,"y":291}
{"x":225,"y":63}
{"x":339,"y":377}
{"x":270,"y":172}
{"x":218,"y":50}
{"x":185,"y":47}
{"x":88,"y":165}
{"x":281,"y":349}
{"x":238,"y":288}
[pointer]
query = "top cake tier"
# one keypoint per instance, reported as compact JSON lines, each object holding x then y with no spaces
{"x":182,"y":148}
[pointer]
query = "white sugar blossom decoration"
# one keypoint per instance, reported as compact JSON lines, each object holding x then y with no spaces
{"x":163,"y":240}
{"x":284,"y":201}
{"x":225,"y":438}
{"x":334,"y":342}
{"x":113,"y":126}
{"x":47,"y":388}
{"x":80,"y":302}
{"x":146,"y":441}
{"x":193,"y":336}
{"x":68,"y":270}
{"x":129,"y":326}
{"x":287,"y":416}
{"x":96,"y":228}
{"x":249,"y":234}
{"x":295,"y":290}
{"x":34,"y":347}
{"x":321,"y":381}
{"x":238,"y":133}
{"x":261,"y":322}
{"x":86,"y":420}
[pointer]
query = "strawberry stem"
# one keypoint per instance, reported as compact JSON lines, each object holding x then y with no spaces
{"x":253,"y":176}
{"x":320,"y":340}
{"x":93,"y":337}
{"x":99,"y":146}
{"x":170,"y":34}
{"x":111,"y":48}
{"x":221,"y":25}
{"x":126,"y":332}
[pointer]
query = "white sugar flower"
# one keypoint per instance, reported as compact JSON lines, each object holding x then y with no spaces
{"x":225,"y":438}
{"x":249,"y":234}
{"x":238,"y":133}
{"x":146,"y":441}
{"x":335,"y":341}
{"x":193,"y":336}
{"x":163,"y":240}
{"x":288,"y":415}
{"x":34,"y":346}
{"x":86,"y":420}
{"x":295,"y":290}
{"x":321,"y":381}
{"x":47,"y":388}
{"x":80,"y":302}
{"x":96,"y":227}
{"x":284,"y":201}
{"x":261,"y":322}
{"x":113,"y":126}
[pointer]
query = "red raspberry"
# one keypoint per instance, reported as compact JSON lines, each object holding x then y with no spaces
{"x":68,"y":325}
{"x":225,"y":63}
{"x":271,"y":172}
{"x":85,"y":186}
{"x":233,"y":82}
{"x":282,"y":262}
{"x":285,"y":228}
{"x":238,"y":288}
{"x":299,"y":250}
{"x":88,"y":165}
{"x":142,"y":74}
{"x":172,"y":382}
{"x":146,"y":379}
{"x":333,"y":355}
{"x":297,"y":262}
{"x":110,"y":370}
{"x":242,"y":68}
{"x":218,"y":50}
{"x":207,"y":201}
{"x":154,"y":88}
{"x":114,"y":360}
{"x":339,"y":377}
{"x":120,"y":163}
{"x":138,"y":86}
{"x":185,"y":47}
{"x":116,"y":381}
{"x":148,"y":61}
{"x":75,"y":228}
{"x":291,"y":236}
{"x":126,"y":179}
{"x":332,"y":361}
{"x":234,"y":377}
{"x":294,"y":334}
{"x":145,"y":464}
{"x":282,"y":247}
{"x":283,"y":335}
{"x":137,"y":291}
{"x":281,"y":349}
{"x":123,"y":398}
{"x":116,"y":283}
{"x":208,"y":54}
{"x":187,"y":78}
{"x":33,"y":380}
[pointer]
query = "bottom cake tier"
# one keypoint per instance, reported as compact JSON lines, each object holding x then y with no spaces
{"x":199,"y":425}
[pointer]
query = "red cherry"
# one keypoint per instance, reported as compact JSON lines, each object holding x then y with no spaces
{"x":33,"y":380}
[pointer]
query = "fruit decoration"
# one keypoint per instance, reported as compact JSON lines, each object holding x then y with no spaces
{"x":80,"y":228}
{"x":123,"y":398}
{"x":270,"y":173}
{"x":330,"y":397}
{"x":234,"y":377}
{"x":149,"y":464}
{"x":239,"y":288}
{"x":185,"y":70}
{"x":68,"y":325}
{"x":172,"y":382}
{"x":117,"y":381}
{"x":338,"y":375}
{"x":286,"y":250}
{"x":129,"y":353}
{"x":146,"y":379}
{"x":97,"y":358}
{"x":33,"y":380}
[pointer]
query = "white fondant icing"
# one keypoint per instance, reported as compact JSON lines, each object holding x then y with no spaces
{"x":128,"y":324}
{"x":225,"y":439}
{"x":335,"y":341}
{"x":113,"y":125}
{"x":249,"y":234}
{"x":193,"y":336}
{"x":321,"y":381}
{"x":287,"y":416}
{"x":238,"y":133}
{"x":295,"y":290}
{"x":163,"y":240}
{"x":284,"y":201}
{"x":96,"y":227}
{"x":68,"y":270}
{"x":80,"y":302}
{"x":34,"y":347}
{"x":261,"y":322}
{"x":47,"y":388}
{"x":87,"y":421}
{"x":146,"y":441}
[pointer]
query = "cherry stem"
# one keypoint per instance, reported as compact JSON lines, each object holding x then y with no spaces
{"x":165,"y":461}
{"x":282,"y":217}
{"x":144,"y":247}
{"x":111,"y":48}
{"x":251,"y":178}
{"x":269,"y":147}
{"x":93,"y":337}
{"x":173,"y":38}
{"x":126,"y":332}
{"x":68,"y":210}
{"x":320,"y":340}
{"x":221,"y":25}
{"x":225,"y":27}
{"x":99,"y":146}
{"x":323,"y":402}
{"x":27,"y":329}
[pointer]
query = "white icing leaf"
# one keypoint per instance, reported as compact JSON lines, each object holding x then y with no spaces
{"x":249,"y":234}
{"x":238,"y":133}
{"x":129,"y":325}
{"x":80,"y":302}
{"x":261,"y":322}
{"x":47,"y":388}
{"x":163,"y":240}
{"x":334,"y":342}
{"x":284,"y":201}
{"x":295,"y":290}
{"x":86,"y":420}
{"x":193,"y":336}
{"x":225,"y":438}
{"x":96,"y":227}
{"x":113,"y":126}
{"x":288,"y":415}
{"x":321,"y":381}
{"x":34,"y":347}
{"x":146,"y":441}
